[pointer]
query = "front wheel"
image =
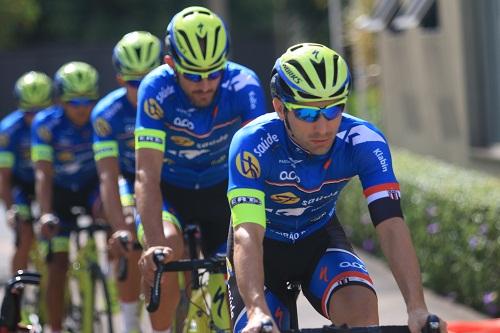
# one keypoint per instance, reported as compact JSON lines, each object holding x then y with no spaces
{"x":102,"y":316}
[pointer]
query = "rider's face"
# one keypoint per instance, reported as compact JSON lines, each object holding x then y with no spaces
{"x":78,"y":113}
{"x":316,"y":137}
{"x":201,"y":93}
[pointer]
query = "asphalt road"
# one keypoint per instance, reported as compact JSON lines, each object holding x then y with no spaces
{"x":391,"y":305}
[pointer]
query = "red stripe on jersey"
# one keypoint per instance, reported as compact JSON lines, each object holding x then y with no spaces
{"x":381,"y":187}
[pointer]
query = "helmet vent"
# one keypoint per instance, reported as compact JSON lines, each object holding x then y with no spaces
{"x":186,"y":40}
{"x":335,"y":68}
{"x":302,"y":72}
{"x":320,"y":71}
{"x":202,"y":41}
{"x":217,"y":33}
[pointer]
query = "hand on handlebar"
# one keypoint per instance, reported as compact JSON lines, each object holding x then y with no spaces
{"x":260,"y":322}
{"x":121,"y":242}
{"x":150,"y":258}
{"x":49,"y":225}
{"x":421,"y":321}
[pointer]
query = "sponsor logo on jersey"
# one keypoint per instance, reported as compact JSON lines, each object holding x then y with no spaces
{"x":383,"y":161}
{"x":220,"y":160}
{"x":359,"y":134}
{"x":287,"y":198}
{"x":289,"y":175}
{"x":4,"y":140}
{"x":318,"y":199}
{"x":252,"y":99}
{"x":153,"y":109}
{"x":248,"y":165}
{"x":164,"y":93}
{"x":206,"y":144}
{"x":168,"y":161}
{"x":44,"y":134}
{"x":240,"y":81}
{"x":245,"y":200}
{"x":288,"y":211}
{"x":188,"y":153}
{"x":65,"y":156}
{"x":182,"y":141}
{"x":149,"y":138}
{"x":102,"y":127}
{"x":265,"y":143}
{"x":183,"y":122}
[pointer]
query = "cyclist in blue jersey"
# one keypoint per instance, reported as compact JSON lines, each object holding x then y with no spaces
{"x":286,"y":171}
{"x":33,"y":92}
{"x":188,"y":111}
{"x":65,"y":171}
{"x":113,"y":119}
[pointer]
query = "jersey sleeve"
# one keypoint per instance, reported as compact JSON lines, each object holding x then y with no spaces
{"x":7,"y":156}
{"x":149,"y":127}
{"x":105,"y":143}
{"x":250,"y":95}
{"x":374,"y":165}
{"x":41,"y":137}
{"x":246,"y":182}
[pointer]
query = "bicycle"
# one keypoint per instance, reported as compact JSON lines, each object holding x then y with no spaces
{"x":11,"y":310}
{"x":208,"y":310}
{"x":90,"y":303}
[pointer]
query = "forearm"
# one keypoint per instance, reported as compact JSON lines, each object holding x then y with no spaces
{"x":149,"y":206}
{"x":5,"y":188}
{"x":111,"y":200}
{"x":249,"y":271}
{"x":398,"y":248}
{"x":44,"y":186}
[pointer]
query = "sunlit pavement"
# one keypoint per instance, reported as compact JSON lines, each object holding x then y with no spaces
{"x":391,"y":305}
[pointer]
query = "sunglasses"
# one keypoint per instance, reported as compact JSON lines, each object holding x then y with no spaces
{"x":193,"y":77}
{"x":80,"y":102}
{"x":311,"y":113}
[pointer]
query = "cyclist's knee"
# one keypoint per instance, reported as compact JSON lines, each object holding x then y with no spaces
{"x":354,"y":305}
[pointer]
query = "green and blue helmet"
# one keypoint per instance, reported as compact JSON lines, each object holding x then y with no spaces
{"x":77,"y":80}
{"x":310,"y":72}
{"x":33,"y":90}
{"x":136,"y":54}
{"x":198,"y":40}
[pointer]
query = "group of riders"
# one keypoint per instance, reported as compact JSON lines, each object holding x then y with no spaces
{"x":187,"y":137}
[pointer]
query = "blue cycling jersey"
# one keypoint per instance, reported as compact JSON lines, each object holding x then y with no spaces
{"x":113,"y":119}
{"x":15,"y":146}
{"x":195,"y":141}
{"x":275,"y":183}
{"x":56,"y":139}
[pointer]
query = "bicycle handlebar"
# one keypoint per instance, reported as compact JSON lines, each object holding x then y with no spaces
{"x":215,"y":264}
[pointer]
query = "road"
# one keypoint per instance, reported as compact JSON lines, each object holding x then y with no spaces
{"x":391,"y":305}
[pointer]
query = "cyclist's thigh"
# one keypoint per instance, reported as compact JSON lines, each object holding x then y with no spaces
{"x":23,"y":195}
{"x":338,"y":267}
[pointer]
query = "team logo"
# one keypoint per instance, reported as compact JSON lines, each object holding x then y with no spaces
{"x":44,"y":133}
{"x":287,"y":198}
{"x":182,"y":141}
{"x":4,"y":140}
{"x":168,"y":161}
{"x":65,"y":156}
{"x":153,"y":109}
{"x":248,"y":165}
{"x":102,"y":127}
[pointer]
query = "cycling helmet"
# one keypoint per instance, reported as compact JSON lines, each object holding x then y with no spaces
{"x":136,"y":54}
{"x":309,"y":73}
{"x":198,"y":40}
{"x":77,"y":80}
{"x":33,"y":90}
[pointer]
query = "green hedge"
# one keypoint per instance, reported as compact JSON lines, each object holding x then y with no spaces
{"x":454,"y":218}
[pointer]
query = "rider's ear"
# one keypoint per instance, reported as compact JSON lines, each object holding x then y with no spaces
{"x":279,"y":108}
{"x":120,"y":80}
{"x":169,"y":60}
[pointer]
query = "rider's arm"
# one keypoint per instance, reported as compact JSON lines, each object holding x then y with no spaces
{"x":249,"y":267}
{"x":396,"y":243}
{"x":5,"y":187}
{"x":109,"y":170}
{"x":149,"y":163}
{"x":44,"y":174}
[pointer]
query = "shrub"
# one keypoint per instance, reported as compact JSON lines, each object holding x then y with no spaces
{"x":453,"y":215}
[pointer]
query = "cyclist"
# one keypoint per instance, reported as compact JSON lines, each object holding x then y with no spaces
{"x":33,"y":92}
{"x":188,"y":111}
{"x":65,"y":170}
{"x":113,"y":119}
{"x":285,"y":174}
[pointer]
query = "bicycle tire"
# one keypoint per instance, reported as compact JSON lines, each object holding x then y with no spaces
{"x":103,"y":316}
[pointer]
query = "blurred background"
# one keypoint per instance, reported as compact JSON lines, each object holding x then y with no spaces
{"x":426,"y":71}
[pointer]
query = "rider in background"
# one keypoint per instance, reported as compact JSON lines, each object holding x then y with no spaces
{"x":285,"y":175}
{"x":188,"y":111}
{"x":65,"y":172}
{"x":113,"y":119}
{"x":33,"y":92}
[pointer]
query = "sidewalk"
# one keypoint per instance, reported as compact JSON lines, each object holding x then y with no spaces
{"x":392,"y":309}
